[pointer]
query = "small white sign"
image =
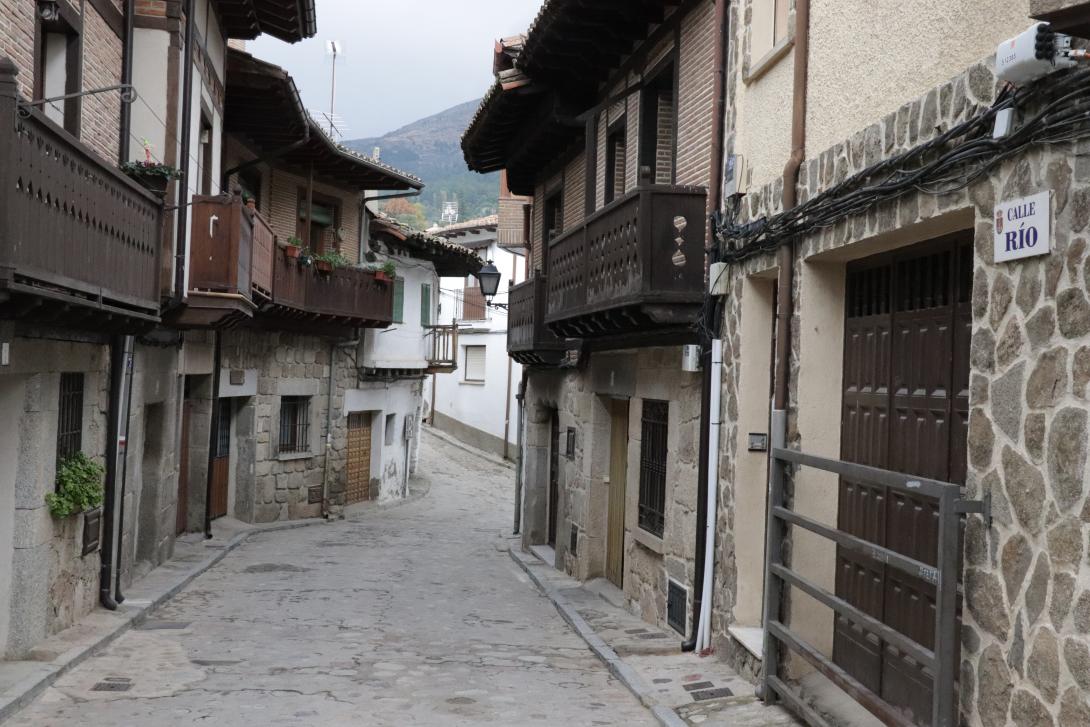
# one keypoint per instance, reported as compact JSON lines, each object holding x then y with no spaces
{"x":1023,"y":227}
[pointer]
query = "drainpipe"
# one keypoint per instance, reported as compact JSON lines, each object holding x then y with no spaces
{"x":181,"y":254}
{"x":126,"y":78}
{"x":113,"y":437}
{"x":703,"y":568}
{"x":520,"y":425}
{"x":213,"y":432}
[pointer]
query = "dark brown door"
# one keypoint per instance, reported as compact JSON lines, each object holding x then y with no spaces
{"x":183,"y":474}
{"x":554,"y":475}
{"x":222,"y":460}
{"x":358,"y":485}
{"x":906,"y":381}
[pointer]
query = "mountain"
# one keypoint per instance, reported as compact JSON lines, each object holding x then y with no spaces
{"x":429,"y":148}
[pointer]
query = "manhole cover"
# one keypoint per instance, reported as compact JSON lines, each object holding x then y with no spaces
{"x":697,"y":686}
{"x":113,"y":684}
{"x":163,"y":625}
{"x":705,"y":695}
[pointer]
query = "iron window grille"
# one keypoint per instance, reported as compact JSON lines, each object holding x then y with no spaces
{"x":652,"y":506}
{"x":223,"y":432}
{"x":294,"y":424}
{"x":70,"y":416}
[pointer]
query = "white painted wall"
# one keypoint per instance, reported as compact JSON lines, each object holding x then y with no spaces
{"x":381,"y":398}
{"x":403,"y":345}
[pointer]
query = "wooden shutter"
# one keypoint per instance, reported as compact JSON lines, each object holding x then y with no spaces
{"x":399,"y":300}
{"x":475,"y":363}
{"x":425,"y":305}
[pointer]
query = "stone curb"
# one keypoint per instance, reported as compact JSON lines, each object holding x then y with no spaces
{"x":620,"y":669}
{"x":31,"y":687}
{"x":452,"y":441}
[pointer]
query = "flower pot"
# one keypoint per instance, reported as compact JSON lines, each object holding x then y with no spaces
{"x":92,"y":530}
{"x":324,"y":266}
{"x":154,"y":183}
{"x":293,"y":251}
{"x":382,"y":275}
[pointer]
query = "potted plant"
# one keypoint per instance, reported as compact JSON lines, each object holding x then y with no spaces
{"x":294,"y":247}
{"x":387,"y":272}
{"x":154,"y":176}
{"x":79,"y":488}
{"x":326,"y":262}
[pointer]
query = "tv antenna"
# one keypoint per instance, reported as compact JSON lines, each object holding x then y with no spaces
{"x":333,"y":47}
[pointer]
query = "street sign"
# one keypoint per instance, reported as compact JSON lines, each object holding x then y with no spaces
{"x":1023,"y":227}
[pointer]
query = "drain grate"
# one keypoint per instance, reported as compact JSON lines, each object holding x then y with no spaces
{"x":163,"y":625}
{"x":696,"y":686}
{"x":677,"y":606}
{"x":113,"y":684}
{"x":706,"y":694}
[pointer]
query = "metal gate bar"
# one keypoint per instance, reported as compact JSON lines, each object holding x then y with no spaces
{"x":940,"y":661}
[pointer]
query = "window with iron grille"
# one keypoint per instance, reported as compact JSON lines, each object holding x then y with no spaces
{"x":70,"y":416}
{"x":294,"y":424}
{"x":223,"y":432}
{"x":652,"y":510}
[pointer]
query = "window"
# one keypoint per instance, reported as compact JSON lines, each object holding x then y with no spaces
{"x":554,"y":215}
{"x":70,"y":416}
{"x":652,"y":507}
{"x":294,"y":424}
{"x":767,"y":29}
{"x":657,"y":127}
{"x":58,"y":67}
{"x":322,"y":232}
{"x":250,"y":181}
{"x":399,"y":300}
{"x":223,"y":433}
{"x":391,"y":422}
{"x":475,"y":363}
{"x":205,"y":151}
{"x":615,"y":161}
{"x":425,"y":305}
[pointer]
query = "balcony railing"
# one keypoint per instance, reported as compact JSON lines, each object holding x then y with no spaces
{"x":441,"y":343}
{"x":529,"y":341}
{"x":635,"y":265}
{"x":346,"y":296}
{"x":74,"y":231}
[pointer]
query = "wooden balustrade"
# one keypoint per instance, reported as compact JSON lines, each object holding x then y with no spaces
{"x":635,"y":265}
{"x":347,"y":296}
{"x":529,"y":341}
{"x":442,"y":348}
{"x":74,"y":231}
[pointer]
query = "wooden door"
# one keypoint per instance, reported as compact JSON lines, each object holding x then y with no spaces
{"x":358,"y":485}
{"x":618,"y":479}
{"x":182,"y":503}
{"x":554,"y":475}
{"x":221,"y":460}
{"x":906,"y":394}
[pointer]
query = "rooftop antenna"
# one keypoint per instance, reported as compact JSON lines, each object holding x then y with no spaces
{"x":333,"y":47}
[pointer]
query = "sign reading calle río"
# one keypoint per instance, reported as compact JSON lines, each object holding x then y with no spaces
{"x":1023,"y":227}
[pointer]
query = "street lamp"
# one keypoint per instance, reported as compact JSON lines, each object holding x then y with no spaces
{"x":489,"y":278}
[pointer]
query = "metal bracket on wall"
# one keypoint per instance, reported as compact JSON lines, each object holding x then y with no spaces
{"x":128,"y":95}
{"x":982,"y":507}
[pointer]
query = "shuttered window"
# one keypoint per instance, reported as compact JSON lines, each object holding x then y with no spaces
{"x":399,"y":300}
{"x":425,"y":305}
{"x":652,"y":515}
{"x":475,"y":363}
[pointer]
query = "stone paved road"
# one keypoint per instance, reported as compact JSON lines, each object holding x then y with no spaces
{"x":411,"y":615}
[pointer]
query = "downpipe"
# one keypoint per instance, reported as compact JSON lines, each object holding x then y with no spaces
{"x":110,"y":499}
{"x":181,"y":235}
{"x":703,"y":633}
{"x":520,"y":425}
{"x":213,"y":432}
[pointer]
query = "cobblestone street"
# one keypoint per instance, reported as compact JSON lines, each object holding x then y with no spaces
{"x":410,"y":615}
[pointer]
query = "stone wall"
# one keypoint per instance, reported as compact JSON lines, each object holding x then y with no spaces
{"x":581,"y":398}
{"x":1025,"y":650}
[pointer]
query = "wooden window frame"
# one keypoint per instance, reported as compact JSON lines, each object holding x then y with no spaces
{"x":616,"y":135}
{"x":484,"y":374}
{"x":69,"y":23}
{"x":783,"y":38}
{"x":399,"y":297}
{"x":303,"y":231}
{"x":664,"y":76}
{"x":425,"y":305}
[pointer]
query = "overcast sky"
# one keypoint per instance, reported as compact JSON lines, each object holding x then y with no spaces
{"x":402,"y":59}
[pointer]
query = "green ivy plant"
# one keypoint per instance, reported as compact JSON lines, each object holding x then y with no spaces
{"x":79,"y":487}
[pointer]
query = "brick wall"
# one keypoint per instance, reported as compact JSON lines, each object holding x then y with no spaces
{"x":664,"y":143}
{"x":696,"y":91}
{"x":17,"y":40}
{"x":537,"y":254}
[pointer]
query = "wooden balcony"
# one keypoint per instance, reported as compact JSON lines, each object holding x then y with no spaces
{"x":79,"y":240}
{"x":441,"y":343}
{"x":306,"y":300}
{"x":529,"y":340}
{"x":231,"y":259}
{"x":635,"y":266}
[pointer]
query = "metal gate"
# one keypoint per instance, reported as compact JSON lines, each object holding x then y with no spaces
{"x":221,"y":460}
{"x":358,"y":484}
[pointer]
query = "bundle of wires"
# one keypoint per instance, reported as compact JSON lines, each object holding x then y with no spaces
{"x":1059,"y":111}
